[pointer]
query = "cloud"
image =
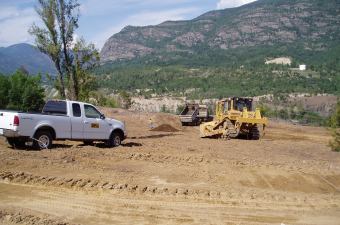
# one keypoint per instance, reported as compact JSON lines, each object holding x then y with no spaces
{"x":222,"y":4}
{"x":14,"y":25}
{"x":143,"y":19}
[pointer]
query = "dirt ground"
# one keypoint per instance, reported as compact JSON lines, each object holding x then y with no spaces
{"x":290,"y":176}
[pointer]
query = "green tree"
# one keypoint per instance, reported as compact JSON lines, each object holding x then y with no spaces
{"x":67,"y":15}
{"x":48,"y":40}
{"x":86,"y":57}
{"x":25,"y":93}
{"x":4,"y":89}
{"x":56,"y":38}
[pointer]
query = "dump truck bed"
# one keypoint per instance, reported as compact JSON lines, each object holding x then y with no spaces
{"x":194,"y":114}
{"x":189,"y":114}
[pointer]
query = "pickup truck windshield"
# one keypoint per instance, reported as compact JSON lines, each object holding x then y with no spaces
{"x":55,"y":107}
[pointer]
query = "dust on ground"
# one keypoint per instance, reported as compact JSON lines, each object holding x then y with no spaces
{"x":290,"y":176}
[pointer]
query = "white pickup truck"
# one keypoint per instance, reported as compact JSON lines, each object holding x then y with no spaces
{"x":60,"y":120}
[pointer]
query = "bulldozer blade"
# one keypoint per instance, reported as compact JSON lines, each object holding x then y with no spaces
{"x":208,"y":129}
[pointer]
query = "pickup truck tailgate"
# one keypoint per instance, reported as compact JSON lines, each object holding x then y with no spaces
{"x":6,"y":120}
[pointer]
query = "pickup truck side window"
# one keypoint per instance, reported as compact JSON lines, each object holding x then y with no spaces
{"x":55,"y":107}
{"x":91,"y":112}
{"x":76,"y":110}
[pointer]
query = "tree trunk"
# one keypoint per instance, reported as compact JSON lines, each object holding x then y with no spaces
{"x":73,"y":92}
{"x":61,"y":80}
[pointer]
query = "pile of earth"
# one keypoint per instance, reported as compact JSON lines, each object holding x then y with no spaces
{"x":165,"y":128}
{"x":159,"y":119}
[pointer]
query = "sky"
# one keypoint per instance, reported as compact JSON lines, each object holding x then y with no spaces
{"x":100,"y":19}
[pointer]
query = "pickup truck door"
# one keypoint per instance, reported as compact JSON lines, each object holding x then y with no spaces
{"x":95,"y":128}
{"x":77,"y":122}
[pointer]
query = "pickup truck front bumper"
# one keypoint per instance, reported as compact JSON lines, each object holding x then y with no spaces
{"x":9,"y":133}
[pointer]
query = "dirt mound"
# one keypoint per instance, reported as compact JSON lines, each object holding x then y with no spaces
{"x":165,"y":128}
{"x":163,"y":118}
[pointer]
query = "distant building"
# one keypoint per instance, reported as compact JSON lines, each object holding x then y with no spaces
{"x":302,"y":67}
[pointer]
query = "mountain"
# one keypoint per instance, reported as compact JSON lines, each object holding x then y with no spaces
{"x":27,"y":56}
{"x":306,"y":30}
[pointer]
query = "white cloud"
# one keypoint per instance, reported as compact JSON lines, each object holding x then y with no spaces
{"x":14,"y":25}
{"x":143,"y":19}
{"x":222,"y":4}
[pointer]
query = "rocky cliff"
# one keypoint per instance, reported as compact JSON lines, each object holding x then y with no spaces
{"x":311,"y":24}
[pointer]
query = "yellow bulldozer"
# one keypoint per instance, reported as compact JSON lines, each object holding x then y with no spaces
{"x":235,"y":117}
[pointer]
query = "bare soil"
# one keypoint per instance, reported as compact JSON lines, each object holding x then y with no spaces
{"x":290,"y":176}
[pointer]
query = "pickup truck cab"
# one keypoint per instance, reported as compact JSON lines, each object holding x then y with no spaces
{"x":61,"y":120}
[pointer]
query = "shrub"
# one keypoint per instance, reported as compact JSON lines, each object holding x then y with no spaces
{"x":335,"y":124}
{"x":335,"y":143}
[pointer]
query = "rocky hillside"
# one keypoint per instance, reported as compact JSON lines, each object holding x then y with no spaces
{"x":26,"y":56}
{"x":287,"y":26}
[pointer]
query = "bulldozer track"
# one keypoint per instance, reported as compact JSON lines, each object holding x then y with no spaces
{"x":229,"y":197}
{"x":254,"y":133}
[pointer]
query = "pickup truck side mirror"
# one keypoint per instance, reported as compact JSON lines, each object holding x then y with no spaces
{"x":102,"y":116}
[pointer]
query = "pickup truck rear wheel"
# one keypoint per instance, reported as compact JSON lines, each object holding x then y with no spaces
{"x":43,"y":140}
{"x":115,"y":140}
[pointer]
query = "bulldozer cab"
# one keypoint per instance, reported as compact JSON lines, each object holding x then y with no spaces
{"x":241,"y":103}
{"x":236,"y":105}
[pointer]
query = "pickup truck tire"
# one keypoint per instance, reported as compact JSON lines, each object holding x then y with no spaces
{"x":43,"y":140}
{"x":15,"y":143}
{"x":115,"y":140}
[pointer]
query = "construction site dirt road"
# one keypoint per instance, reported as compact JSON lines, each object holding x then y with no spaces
{"x":171,"y":176}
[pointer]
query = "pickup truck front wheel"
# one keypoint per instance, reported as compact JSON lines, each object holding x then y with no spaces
{"x":42,"y":140}
{"x":115,"y":140}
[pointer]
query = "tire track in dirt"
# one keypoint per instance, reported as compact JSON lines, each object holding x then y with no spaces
{"x":232,"y":197}
{"x":21,"y":216}
{"x":112,"y":209}
{"x":196,"y":160}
